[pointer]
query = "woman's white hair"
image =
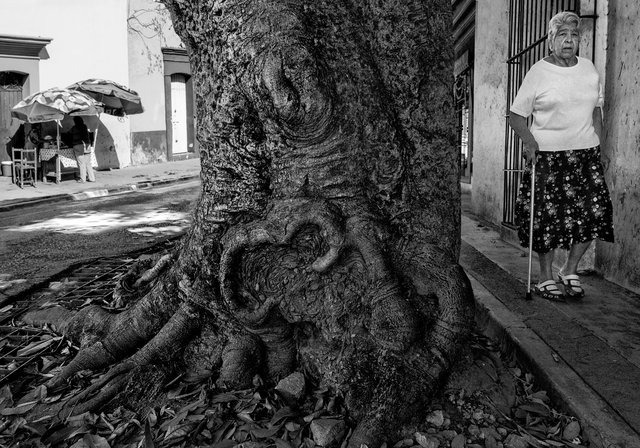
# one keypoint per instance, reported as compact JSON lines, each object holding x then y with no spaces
{"x":562,"y":18}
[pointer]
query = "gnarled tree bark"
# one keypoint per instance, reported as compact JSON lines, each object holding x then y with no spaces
{"x":326,"y":235}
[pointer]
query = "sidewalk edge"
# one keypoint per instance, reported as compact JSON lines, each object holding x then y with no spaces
{"x":603,"y":426}
{"x":93,"y":193}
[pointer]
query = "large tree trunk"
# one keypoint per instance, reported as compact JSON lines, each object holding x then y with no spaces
{"x":327,"y":232}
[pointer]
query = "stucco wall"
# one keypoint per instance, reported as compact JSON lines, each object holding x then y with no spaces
{"x":150,"y":29}
{"x":89,"y":41}
{"x":27,"y":66}
{"x":621,"y":147}
{"x":490,"y":97}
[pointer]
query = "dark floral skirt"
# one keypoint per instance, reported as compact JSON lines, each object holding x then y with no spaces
{"x":572,"y":202}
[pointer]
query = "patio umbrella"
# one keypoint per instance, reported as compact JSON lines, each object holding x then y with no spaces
{"x":118,"y":99}
{"x":54,"y":104}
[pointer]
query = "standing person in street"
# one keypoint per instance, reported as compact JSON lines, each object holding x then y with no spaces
{"x":572,"y":205}
{"x":34,"y":139}
{"x":81,"y":142}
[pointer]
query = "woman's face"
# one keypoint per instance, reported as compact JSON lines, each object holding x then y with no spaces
{"x":565,"y":42}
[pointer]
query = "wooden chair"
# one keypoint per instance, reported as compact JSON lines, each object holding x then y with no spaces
{"x":25,"y":166}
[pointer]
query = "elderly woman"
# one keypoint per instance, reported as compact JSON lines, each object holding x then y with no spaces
{"x":572,"y":206}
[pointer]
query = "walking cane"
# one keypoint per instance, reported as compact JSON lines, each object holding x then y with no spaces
{"x":533,"y":185}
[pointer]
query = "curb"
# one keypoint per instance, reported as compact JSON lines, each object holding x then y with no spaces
{"x":93,"y":193}
{"x":600,"y":423}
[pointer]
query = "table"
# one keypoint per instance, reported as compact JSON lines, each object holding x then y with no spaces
{"x":63,"y":159}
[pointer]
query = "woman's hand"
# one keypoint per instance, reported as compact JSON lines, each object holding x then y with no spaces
{"x":530,"y":145}
{"x":530,"y":150}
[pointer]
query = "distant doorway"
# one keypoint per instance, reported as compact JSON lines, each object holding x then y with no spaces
{"x":179,"y":133}
{"x":11,"y":86}
{"x":179,"y":105}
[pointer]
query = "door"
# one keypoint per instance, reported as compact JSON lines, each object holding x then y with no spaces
{"x":179,"y":139}
{"x":10,"y":95}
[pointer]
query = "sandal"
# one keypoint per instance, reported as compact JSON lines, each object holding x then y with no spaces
{"x":572,"y":286}
{"x":549,"y":290}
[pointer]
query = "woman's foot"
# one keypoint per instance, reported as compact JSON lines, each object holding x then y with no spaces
{"x":572,"y":285}
{"x":549,"y":290}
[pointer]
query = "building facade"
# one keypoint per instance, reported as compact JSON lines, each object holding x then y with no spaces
{"x":48,"y":44}
{"x":509,"y":36}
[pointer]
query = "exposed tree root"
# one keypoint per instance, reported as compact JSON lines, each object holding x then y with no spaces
{"x":154,"y":272}
{"x":133,"y":284}
{"x":133,"y":329}
{"x":170,"y":340}
{"x":91,"y":399}
{"x":399,"y":353}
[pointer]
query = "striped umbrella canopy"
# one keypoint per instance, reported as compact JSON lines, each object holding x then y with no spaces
{"x":54,"y":104}
{"x":118,"y":100}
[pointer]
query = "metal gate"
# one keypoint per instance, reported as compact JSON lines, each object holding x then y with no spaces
{"x":528,"y":21}
{"x":463,"y":90}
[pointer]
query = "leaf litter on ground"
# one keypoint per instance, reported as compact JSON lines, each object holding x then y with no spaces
{"x":490,"y":401}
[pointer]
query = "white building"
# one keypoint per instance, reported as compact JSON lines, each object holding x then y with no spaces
{"x":54,"y":44}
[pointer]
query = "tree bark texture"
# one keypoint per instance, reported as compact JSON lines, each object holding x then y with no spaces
{"x":327,"y":232}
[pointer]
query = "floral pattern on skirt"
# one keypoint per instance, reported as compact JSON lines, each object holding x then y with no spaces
{"x":572,"y":201}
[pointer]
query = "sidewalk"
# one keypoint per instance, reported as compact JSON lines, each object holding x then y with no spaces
{"x":586,"y":354}
{"x":107,"y":182}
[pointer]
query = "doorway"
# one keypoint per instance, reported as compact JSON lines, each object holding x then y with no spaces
{"x":11,"y":86}
{"x":179,"y":133}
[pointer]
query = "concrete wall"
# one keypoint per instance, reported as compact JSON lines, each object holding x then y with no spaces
{"x":621,"y":148}
{"x":150,"y":29}
{"x":89,"y":41}
{"x":490,"y":97}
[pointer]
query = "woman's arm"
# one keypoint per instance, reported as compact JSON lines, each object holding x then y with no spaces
{"x":597,"y":122}
{"x":519,"y":124}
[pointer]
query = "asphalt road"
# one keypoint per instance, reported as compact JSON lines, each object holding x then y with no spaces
{"x":39,"y":241}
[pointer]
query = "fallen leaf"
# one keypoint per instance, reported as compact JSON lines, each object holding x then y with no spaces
{"x":282,"y":414}
{"x":536,"y":408}
{"x":224,"y":444}
{"x":6,"y":398}
{"x":178,"y":432}
{"x":19,"y":410}
{"x":36,"y":347}
{"x":148,"y":437}
{"x":95,"y":441}
{"x":224,"y":398}
{"x":292,"y":426}
{"x":60,"y":433}
{"x":16,"y":424}
{"x":175,"y":421}
{"x":280,"y":443}
{"x":267,"y":432}
{"x":540,"y":395}
{"x":533,"y":441}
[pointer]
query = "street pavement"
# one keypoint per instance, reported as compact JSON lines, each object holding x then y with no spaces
{"x":107,"y":182}
{"x":585,"y":354}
